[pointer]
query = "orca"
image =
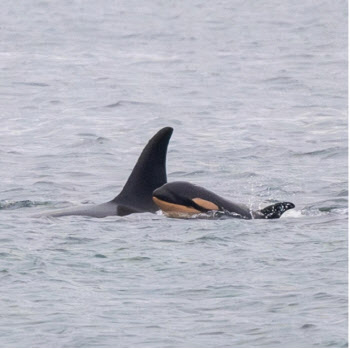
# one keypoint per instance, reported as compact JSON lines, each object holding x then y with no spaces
{"x":185,"y":200}
{"x":148,"y":174}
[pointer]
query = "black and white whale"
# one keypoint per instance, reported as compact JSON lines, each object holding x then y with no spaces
{"x":148,"y":174}
{"x":183,"y":200}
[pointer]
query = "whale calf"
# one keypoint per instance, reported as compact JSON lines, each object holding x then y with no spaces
{"x":184,"y":200}
{"x":148,"y":174}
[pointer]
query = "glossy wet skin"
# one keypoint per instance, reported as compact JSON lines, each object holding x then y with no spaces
{"x":148,"y":174}
{"x":183,"y":198}
{"x":179,"y":193}
{"x":188,"y":195}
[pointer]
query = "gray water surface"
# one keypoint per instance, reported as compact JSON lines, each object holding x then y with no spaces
{"x":257,"y":95}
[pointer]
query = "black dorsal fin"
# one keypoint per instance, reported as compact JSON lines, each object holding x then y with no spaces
{"x":148,"y":174}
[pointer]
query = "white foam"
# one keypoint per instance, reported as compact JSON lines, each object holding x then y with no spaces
{"x":292,"y":214}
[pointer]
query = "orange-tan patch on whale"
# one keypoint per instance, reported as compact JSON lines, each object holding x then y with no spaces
{"x":208,"y":205}
{"x":174,"y":209}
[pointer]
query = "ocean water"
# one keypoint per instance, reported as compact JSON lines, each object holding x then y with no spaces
{"x":257,"y":95}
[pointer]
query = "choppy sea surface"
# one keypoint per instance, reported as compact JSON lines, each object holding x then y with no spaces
{"x":256,"y":92}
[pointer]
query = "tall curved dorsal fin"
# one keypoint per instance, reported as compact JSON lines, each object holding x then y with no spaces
{"x":148,"y":174}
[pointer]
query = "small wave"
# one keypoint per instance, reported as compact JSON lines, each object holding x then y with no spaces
{"x":14,"y":205}
{"x":194,"y":173}
{"x":38,"y":84}
{"x":328,"y":152}
{"x":89,"y":140}
{"x":113,"y":105}
{"x":122,"y":103}
{"x":281,"y":80}
{"x":41,"y":183}
{"x":207,"y":237}
{"x":307,"y":326}
{"x":344,"y":192}
{"x":244,"y":175}
{"x":177,"y":173}
{"x":136,"y":259}
{"x":335,"y":206}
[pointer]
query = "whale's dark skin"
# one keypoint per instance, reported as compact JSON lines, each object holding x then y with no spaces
{"x":148,"y":174}
{"x":183,"y":199}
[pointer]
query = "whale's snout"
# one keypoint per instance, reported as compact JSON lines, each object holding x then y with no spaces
{"x":288,"y":205}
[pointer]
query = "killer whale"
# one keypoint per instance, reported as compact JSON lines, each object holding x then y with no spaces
{"x":184,"y":199}
{"x":148,"y":174}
